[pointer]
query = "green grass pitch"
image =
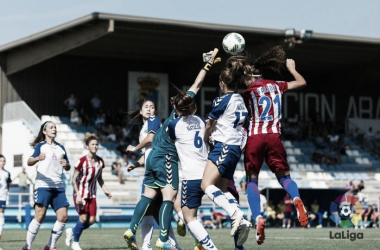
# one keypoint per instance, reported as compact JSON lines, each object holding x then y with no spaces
{"x":292,"y":239}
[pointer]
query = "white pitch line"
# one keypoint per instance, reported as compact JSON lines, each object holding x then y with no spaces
{"x":304,"y":238}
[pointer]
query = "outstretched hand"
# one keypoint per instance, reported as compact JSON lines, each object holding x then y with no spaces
{"x":290,"y":64}
{"x":209,"y":59}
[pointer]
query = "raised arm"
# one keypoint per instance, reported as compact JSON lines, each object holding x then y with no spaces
{"x":299,"y":80}
{"x":209,"y":60}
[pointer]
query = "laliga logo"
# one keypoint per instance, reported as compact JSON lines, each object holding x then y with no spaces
{"x":343,"y":209}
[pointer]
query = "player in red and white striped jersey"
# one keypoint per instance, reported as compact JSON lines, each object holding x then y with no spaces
{"x":88,"y":171}
{"x":263,"y":98}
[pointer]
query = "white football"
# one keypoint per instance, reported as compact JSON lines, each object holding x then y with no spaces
{"x":233,"y":43}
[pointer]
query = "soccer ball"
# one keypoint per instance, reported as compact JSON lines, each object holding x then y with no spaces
{"x":345,"y":211}
{"x":233,"y":43}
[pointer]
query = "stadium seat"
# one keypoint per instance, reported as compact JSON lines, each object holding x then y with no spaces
{"x":316,"y":167}
{"x":274,"y":184}
{"x":309,"y":167}
{"x":358,"y":160}
{"x":364,"y":176}
{"x":296,"y":176}
{"x":344,"y":159}
{"x":366,"y":161}
{"x":355,"y":153}
{"x":375,"y":165}
{"x":314,"y":184}
{"x":322,"y":184}
{"x":307,"y":159}
{"x":311,"y":176}
{"x":69,"y":144}
{"x":331,"y":168}
{"x":301,"y":167}
{"x":292,"y":159}
{"x":78,"y":144}
{"x":56,"y":119}
{"x":45,"y":118}
{"x":63,"y":128}
{"x":297,"y":151}
{"x":64,"y":119}
{"x":295,"y":144}
{"x":293,"y":167}
{"x":377,"y":176}
{"x":288,"y":144}
{"x":351,"y":160}
{"x":263,"y":175}
{"x":289,"y":151}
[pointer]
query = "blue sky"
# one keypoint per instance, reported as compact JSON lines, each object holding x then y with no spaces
{"x":21,"y":18}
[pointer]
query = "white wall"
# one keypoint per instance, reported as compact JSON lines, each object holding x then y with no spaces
{"x":16,"y":140}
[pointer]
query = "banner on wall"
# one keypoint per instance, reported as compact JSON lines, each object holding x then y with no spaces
{"x":149,"y":85}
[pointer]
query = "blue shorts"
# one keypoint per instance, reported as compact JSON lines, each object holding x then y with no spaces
{"x":225,"y":157}
{"x":3,"y":204}
{"x":55,"y":197}
{"x":191,"y":193}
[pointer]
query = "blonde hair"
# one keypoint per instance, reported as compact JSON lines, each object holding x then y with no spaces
{"x":88,"y":137}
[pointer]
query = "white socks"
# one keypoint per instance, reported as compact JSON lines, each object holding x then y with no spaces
{"x":147,"y":226}
{"x":1,"y":222}
{"x":232,"y":200}
{"x":56,"y":233}
{"x":180,"y":216}
{"x":33,"y":228}
{"x":198,"y":231}
{"x":217,"y":196}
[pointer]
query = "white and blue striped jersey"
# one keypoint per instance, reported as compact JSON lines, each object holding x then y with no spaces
{"x":187,"y":133}
{"x":49,"y":171}
{"x":5,"y":178}
{"x":152,"y":124}
{"x":230,"y":112}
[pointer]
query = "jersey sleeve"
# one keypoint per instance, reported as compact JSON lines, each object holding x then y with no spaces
{"x":201,"y":118}
{"x":218,"y":107}
{"x":9,"y":178}
{"x":171,"y":129}
{"x":283,"y":86}
{"x":103,"y":165}
{"x":79,"y":165}
{"x":190,"y":93}
{"x":65,"y":155}
{"x":154,"y":123}
{"x":37,"y":151}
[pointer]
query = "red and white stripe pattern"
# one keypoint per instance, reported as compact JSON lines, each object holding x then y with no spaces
{"x":263,"y":99}
{"x":88,"y":175}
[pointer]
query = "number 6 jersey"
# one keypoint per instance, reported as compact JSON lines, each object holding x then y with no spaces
{"x":187,"y":133}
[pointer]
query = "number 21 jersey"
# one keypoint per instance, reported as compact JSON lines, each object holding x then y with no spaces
{"x":263,"y":98}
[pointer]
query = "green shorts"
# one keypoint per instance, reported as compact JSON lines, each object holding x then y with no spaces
{"x":161,"y":169}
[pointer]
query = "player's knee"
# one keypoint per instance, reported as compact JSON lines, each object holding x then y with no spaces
{"x":62,"y":218}
{"x":39,"y":217}
{"x":91,"y":221}
{"x":204,"y":185}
